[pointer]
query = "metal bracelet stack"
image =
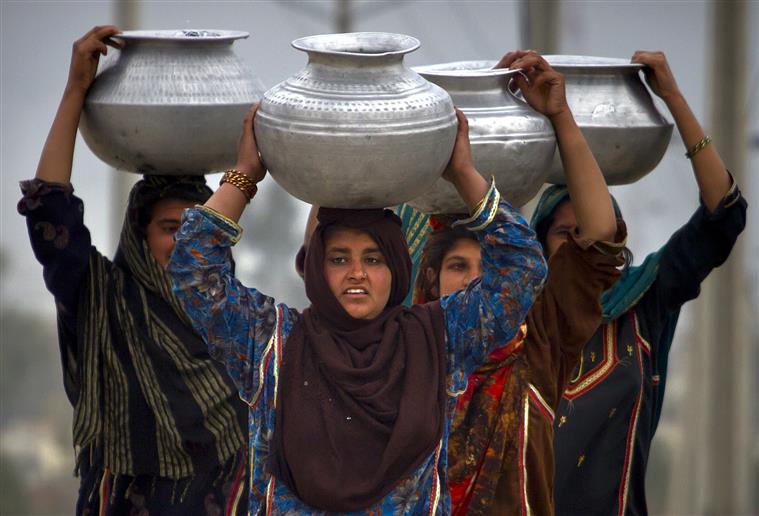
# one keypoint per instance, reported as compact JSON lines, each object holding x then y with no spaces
{"x":237,"y":179}
{"x":706,"y":140}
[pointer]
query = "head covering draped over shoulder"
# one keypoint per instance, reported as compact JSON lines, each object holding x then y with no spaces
{"x":149,"y":397}
{"x":362,"y":402}
{"x":635,"y":280}
{"x":629,"y":288}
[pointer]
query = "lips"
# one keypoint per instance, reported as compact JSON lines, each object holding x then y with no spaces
{"x":355,"y":292}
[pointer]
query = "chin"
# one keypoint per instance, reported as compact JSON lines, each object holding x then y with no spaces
{"x":359,"y":313}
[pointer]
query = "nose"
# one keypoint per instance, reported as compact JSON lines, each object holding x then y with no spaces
{"x":357,"y":272}
{"x":474,"y":273}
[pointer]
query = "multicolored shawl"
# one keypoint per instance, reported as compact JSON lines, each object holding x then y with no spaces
{"x":483,"y":426}
{"x":149,"y":397}
{"x":630,"y":287}
{"x":415,"y":228}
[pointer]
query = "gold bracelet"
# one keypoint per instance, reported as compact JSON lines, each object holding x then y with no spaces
{"x":706,"y":140}
{"x":243,"y":183}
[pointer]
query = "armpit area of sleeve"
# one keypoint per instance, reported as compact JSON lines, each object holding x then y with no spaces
{"x":204,"y":220}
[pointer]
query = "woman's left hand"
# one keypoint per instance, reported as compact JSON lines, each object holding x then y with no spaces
{"x":461,"y":171}
{"x":461,"y":161}
{"x":248,"y":160}
{"x":658,"y":73}
{"x":545,"y":90}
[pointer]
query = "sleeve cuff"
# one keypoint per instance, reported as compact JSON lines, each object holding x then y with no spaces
{"x":229,"y":227}
{"x":731,"y":198}
{"x":485,"y":211}
{"x":619,"y":243}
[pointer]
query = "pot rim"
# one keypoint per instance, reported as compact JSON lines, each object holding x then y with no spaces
{"x":183,"y":35}
{"x":579,"y":62}
{"x":333,"y":44}
{"x":473,"y":68}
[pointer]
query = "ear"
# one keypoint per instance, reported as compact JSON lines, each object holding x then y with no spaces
{"x":432,"y":282}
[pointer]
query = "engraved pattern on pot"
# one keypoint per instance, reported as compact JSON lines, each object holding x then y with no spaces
{"x":356,"y":129}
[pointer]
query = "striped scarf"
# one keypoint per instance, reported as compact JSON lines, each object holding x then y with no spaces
{"x":150,"y":398}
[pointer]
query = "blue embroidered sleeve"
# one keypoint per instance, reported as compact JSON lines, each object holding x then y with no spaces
{"x":236,"y":322}
{"x":490,"y":309}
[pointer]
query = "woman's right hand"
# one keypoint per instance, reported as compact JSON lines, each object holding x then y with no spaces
{"x":86,"y":55}
{"x":545,"y":91}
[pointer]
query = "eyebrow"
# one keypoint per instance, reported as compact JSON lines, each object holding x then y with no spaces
{"x":168,"y":220}
{"x":455,"y":257}
{"x":345,"y":250}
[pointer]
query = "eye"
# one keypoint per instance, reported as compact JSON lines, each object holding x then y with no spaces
{"x":456,"y":266}
{"x":374,"y":259}
{"x":338,"y":260}
{"x":169,"y":229}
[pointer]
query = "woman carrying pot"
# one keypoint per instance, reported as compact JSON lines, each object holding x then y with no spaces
{"x":609,"y":413}
{"x":350,"y":401}
{"x":500,"y":456}
{"x":158,"y":425}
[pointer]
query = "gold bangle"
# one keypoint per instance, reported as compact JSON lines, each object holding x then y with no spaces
{"x":706,"y":140}
{"x":239,"y":180}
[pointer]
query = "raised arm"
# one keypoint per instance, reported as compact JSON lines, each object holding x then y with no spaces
{"x":545,"y":92}
{"x":711,"y":175}
{"x":236,"y":322}
{"x":230,"y":200}
{"x":58,"y":154}
{"x":491,"y":309}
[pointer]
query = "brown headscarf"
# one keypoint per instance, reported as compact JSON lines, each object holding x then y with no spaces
{"x":361,"y":403}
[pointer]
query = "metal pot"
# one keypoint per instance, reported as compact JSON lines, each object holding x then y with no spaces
{"x":510,"y":141}
{"x":171,"y":102}
{"x":625,"y":131}
{"x":356,"y":128}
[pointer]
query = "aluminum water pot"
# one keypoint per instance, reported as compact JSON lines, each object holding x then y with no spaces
{"x":170,"y":102}
{"x":612,"y":106}
{"x":510,"y":141}
{"x":356,"y":128}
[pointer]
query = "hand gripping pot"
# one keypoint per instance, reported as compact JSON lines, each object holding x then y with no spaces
{"x":625,"y":131}
{"x":356,"y":128}
{"x":170,"y":102}
{"x":510,"y":141}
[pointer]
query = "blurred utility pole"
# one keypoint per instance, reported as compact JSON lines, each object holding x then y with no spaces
{"x":126,"y":17}
{"x":343,"y":16}
{"x":723,"y":401}
{"x":540,"y":25}
{"x":540,"y":31}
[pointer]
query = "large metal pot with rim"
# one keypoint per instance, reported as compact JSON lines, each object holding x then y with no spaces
{"x":170,"y":102}
{"x":356,"y":128}
{"x":510,"y":141}
{"x":612,"y":106}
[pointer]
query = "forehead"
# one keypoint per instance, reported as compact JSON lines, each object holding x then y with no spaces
{"x":464,"y":247}
{"x":170,"y":208}
{"x":564,"y":215}
{"x":348,"y":238}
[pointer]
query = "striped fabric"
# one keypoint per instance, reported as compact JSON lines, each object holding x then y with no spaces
{"x":161,"y":406}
